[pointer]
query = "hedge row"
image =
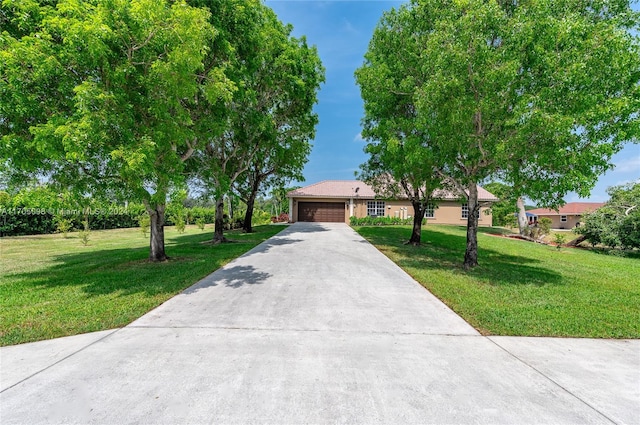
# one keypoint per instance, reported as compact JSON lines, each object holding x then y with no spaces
{"x":17,"y":221}
{"x":382,"y":221}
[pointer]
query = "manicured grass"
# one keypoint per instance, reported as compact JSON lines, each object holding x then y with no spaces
{"x":51,"y":286}
{"x":521,"y":288}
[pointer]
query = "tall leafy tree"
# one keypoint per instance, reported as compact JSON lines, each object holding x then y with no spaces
{"x":538,"y":93}
{"x":121,"y":75}
{"x":269,"y":119}
{"x":285,"y":145}
{"x":400,"y":162}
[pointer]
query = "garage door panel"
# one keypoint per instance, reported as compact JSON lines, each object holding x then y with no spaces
{"x":333,"y":212}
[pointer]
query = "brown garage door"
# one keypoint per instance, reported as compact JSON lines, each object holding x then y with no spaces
{"x":321,"y":211}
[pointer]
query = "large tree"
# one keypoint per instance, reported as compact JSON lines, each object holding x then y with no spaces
{"x":538,"y":93}
{"x":122,"y":75}
{"x":400,"y":162}
{"x":269,"y":119}
{"x":285,"y":150}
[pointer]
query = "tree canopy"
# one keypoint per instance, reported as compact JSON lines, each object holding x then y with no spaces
{"x":617,"y":223}
{"x":129,"y":97}
{"x":400,"y":162}
{"x":539,"y":94}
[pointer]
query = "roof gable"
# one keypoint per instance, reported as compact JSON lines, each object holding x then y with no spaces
{"x":571,"y":208}
{"x":345,"y":189}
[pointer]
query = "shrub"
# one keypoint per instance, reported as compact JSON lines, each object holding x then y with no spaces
{"x":178,"y":221}
{"x":63,"y":225}
{"x":559,"y":239}
{"x":282,"y":218}
{"x":382,"y":221}
{"x":144,"y":221}
{"x":200,"y":223}
{"x":544,"y":224}
{"x":84,"y":234}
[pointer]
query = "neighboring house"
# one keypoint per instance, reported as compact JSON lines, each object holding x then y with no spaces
{"x":337,"y":200}
{"x":567,"y":216}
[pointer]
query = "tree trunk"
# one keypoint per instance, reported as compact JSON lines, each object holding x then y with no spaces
{"x":156,"y":238}
{"x":471,"y":252}
{"x":248,"y":217}
{"x":577,"y":241}
{"x":418,"y":216}
{"x":230,"y":207}
{"x":523,"y":223}
{"x":218,"y":233}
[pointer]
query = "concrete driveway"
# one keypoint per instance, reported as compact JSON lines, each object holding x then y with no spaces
{"x":315,"y":326}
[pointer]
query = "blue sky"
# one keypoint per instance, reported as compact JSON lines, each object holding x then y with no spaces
{"x":341,"y":31}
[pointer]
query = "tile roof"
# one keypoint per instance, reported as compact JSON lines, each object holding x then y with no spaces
{"x":358,"y":189}
{"x":572,"y":208}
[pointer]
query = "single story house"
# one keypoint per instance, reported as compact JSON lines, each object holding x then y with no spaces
{"x":338,"y":200}
{"x":566,"y":217}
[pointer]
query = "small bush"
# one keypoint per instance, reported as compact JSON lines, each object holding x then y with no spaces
{"x":85,"y":233}
{"x":178,"y":221}
{"x":559,"y":239}
{"x":144,"y":221}
{"x":200,"y":223}
{"x":64,"y":226}
{"x":282,"y":218}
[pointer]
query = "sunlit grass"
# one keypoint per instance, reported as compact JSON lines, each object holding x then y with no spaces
{"x":521,"y":288}
{"x":51,"y":286}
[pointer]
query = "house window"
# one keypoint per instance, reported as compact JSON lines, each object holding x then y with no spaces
{"x":375,"y":208}
{"x":429,"y":211}
{"x":465,"y":210}
{"x":563,"y":218}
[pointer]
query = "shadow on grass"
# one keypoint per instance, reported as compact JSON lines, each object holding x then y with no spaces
{"x":444,"y":250}
{"x":126,"y":271}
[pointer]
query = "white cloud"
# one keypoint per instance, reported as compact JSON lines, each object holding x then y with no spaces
{"x":628,"y":165}
{"x":358,"y":138}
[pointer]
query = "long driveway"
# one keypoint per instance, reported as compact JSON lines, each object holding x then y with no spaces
{"x":315,"y":326}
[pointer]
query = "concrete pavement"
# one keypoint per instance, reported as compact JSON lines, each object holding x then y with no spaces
{"x":315,"y":326}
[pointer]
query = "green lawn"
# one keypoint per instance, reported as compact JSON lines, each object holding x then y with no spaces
{"x":51,"y":286}
{"x":521,"y":288}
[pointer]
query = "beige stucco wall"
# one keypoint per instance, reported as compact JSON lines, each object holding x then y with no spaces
{"x":571,"y":222}
{"x":447,"y":212}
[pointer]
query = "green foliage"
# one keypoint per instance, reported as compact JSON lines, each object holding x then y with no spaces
{"x":559,"y":239}
{"x":382,"y":221}
{"x":200,"y":223}
{"x":509,"y":90}
{"x":145,"y":223}
{"x":617,"y":224}
{"x":179,"y":222}
{"x":544,"y":224}
{"x":269,"y":116}
{"x":99,"y":95}
{"x":260,"y":217}
{"x":85,"y":233}
{"x":503,"y":211}
{"x":63,"y":225}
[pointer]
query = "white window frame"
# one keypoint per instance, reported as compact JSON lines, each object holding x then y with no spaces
{"x":430,"y":211}
{"x":563,"y":218}
{"x":376,"y":208}
{"x":465,"y":211}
